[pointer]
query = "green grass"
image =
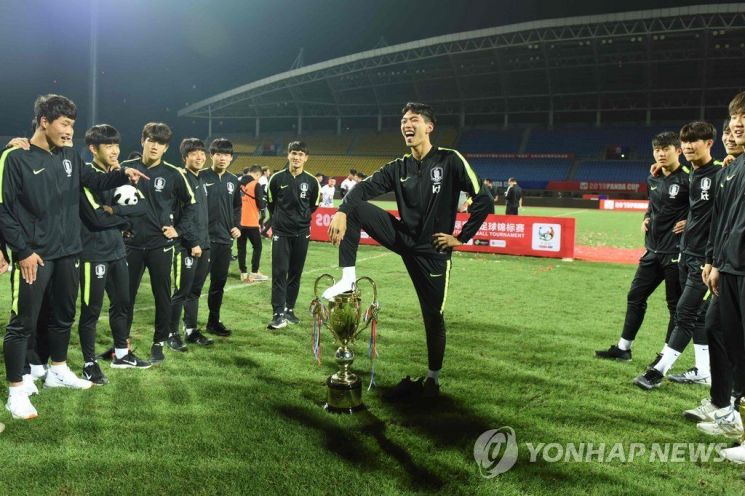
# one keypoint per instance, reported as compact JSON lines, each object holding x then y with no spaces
{"x":245,"y":417}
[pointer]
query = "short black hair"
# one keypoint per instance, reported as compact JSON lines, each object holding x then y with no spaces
{"x":361,"y":175}
{"x":422,"y":109}
{"x":353,"y":171}
{"x":725,"y":125}
{"x":102,"y":134}
{"x":298,"y":146}
{"x":189,"y":145}
{"x":221,"y":145}
{"x":265,"y":169}
{"x":254,"y":169}
{"x":665,"y":139}
{"x":52,"y":107}
{"x":737,"y":105}
{"x":158,"y":132}
{"x":134,"y":155}
{"x":512,"y":180}
{"x":698,"y":130}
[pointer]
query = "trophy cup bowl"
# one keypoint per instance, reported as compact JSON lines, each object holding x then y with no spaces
{"x":343,"y":318}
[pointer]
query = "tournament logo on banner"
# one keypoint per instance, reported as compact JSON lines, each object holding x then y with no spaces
{"x":546,"y":237}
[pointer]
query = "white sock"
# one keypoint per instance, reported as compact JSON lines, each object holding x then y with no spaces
{"x":121,"y":352}
{"x":624,"y":344}
{"x":701,"y":352}
{"x":37,"y":370}
{"x":434,"y":374}
{"x":188,"y":331}
{"x":15,"y":391}
{"x":58,"y":368}
{"x":667,"y":360}
{"x":348,"y":274}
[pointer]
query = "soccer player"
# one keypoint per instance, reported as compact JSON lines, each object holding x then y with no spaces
{"x":349,"y":183}
{"x":170,"y":208}
{"x":40,"y":222}
{"x":252,"y":201}
{"x":427,"y":184}
{"x":266,"y":173}
{"x":696,"y":139}
{"x":327,"y":193}
{"x":513,"y":197}
{"x":292,"y":197}
{"x":192,"y":260}
{"x":103,"y":262}
{"x":224,"y":202}
{"x":715,"y":415}
{"x":663,"y":222}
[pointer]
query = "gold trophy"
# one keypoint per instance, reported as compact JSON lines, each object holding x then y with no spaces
{"x":342,"y":317}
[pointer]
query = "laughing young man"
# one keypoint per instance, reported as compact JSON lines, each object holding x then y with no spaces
{"x":427,"y":185}
{"x":40,"y":222}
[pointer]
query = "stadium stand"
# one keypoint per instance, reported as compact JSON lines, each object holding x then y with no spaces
{"x":490,"y":141}
{"x":612,"y":171}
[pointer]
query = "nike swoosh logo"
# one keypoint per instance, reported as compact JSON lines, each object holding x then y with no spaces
{"x":129,"y":362}
{"x":653,"y":188}
{"x":167,"y":249}
{"x":404,"y":179}
{"x":209,"y":184}
{"x":40,"y":170}
{"x":435,"y":275}
{"x":730,"y":177}
{"x":77,"y":264}
{"x":283,"y":187}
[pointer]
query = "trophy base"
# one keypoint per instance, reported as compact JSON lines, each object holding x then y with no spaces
{"x":344,"y":398}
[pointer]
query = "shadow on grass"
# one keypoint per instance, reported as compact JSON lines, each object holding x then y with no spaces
{"x":348,"y":444}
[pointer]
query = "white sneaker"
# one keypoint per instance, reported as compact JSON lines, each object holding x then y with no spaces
{"x":65,"y":378}
{"x":244,"y":276}
{"x":702,"y":413}
{"x":28,"y":385}
{"x":20,"y":407}
{"x":727,"y":422}
{"x":736,"y":454}
{"x":257,"y":277}
{"x":337,"y":289}
{"x":691,"y":376}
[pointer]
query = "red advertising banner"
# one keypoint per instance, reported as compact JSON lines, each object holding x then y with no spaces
{"x":635,"y":205}
{"x":551,"y":237}
{"x":596,"y":186}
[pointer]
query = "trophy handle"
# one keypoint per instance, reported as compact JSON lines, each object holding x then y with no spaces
{"x":318,"y":279}
{"x":374,"y":305}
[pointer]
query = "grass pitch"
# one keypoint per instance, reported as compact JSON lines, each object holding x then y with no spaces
{"x":245,"y":417}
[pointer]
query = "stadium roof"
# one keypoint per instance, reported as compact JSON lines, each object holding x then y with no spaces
{"x":679,"y":58}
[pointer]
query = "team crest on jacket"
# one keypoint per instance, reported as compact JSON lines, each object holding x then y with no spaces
{"x":188,"y":262}
{"x":436,"y":175}
{"x":100,"y":270}
{"x":303,"y":190}
{"x":705,"y":186}
{"x":674,"y":190}
{"x":159,"y":183}
{"x":231,"y":188}
{"x":68,"y":167}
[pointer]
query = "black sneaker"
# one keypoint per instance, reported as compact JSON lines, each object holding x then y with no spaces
{"x":278,"y":321}
{"x":614,"y":353}
{"x":130,"y":361}
{"x":406,"y":389}
{"x":175,"y":343}
{"x":156,"y":354}
{"x":92,"y":372}
{"x":430,"y":389}
{"x":650,"y":379}
{"x":290,"y":316}
{"x":107,"y":355}
{"x":218,"y":329}
{"x":197,"y":337}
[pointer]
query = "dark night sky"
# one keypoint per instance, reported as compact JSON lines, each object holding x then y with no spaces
{"x":156,"y":56}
